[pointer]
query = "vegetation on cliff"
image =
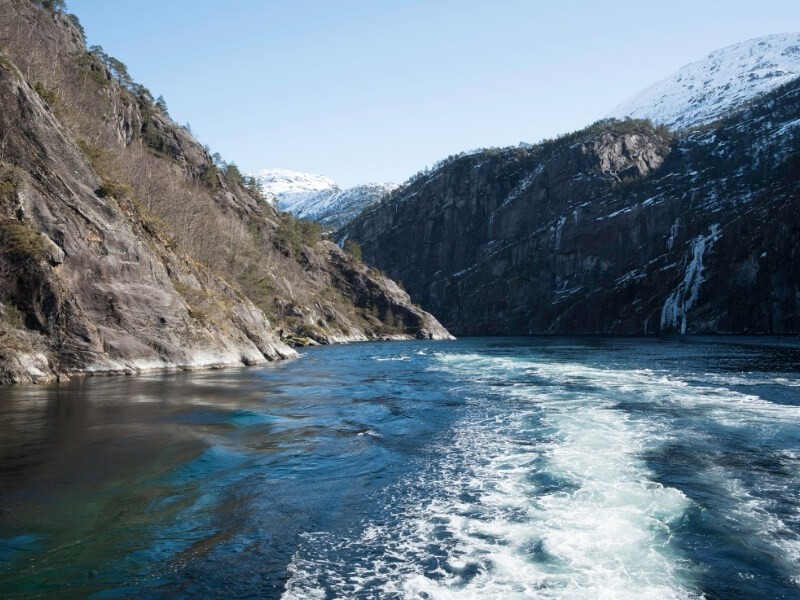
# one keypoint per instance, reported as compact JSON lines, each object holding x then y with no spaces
{"x":126,"y":244}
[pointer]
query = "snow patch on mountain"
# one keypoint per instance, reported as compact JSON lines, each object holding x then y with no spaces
{"x":318,"y":198}
{"x":285,"y":185}
{"x":705,"y":90}
{"x":335,"y":208}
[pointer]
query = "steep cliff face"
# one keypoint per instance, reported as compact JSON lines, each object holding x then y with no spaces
{"x":100,"y":293}
{"x":124,"y":246}
{"x":616,"y":229}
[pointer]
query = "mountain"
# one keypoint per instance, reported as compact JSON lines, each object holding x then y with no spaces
{"x":319,"y":198}
{"x":334,"y":208}
{"x":125,"y":246}
{"x":285,"y":188}
{"x":705,"y":90}
{"x":621,"y":228}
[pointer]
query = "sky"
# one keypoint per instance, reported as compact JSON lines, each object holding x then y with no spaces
{"x":376,"y":90}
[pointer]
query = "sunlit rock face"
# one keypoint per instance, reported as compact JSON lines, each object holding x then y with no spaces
{"x":125,"y":246}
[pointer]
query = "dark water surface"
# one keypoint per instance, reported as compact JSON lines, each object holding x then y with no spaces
{"x":482,"y":468}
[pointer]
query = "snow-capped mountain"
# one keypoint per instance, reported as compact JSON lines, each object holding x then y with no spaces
{"x":287,"y":187}
{"x":704,"y":90}
{"x":336,"y":207}
{"x":318,"y":198}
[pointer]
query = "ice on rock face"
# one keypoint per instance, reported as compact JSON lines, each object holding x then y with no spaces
{"x":683,"y":298}
{"x":705,"y":90}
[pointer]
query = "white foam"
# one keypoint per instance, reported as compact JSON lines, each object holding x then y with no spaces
{"x":488,"y":525}
{"x":543,"y":491}
{"x":398,"y":358}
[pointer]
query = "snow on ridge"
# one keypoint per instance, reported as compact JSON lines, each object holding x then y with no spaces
{"x":337,"y":207}
{"x":316,"y":197}
{"x":704,"y":90}
{"x":278,"y":182}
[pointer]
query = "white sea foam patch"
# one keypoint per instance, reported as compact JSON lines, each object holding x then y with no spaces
{"x":716,"y":402}
{"x":541,"y":493}
{"x":753,"y":509}
{"x":751,"y":379}
{"x":398,"y":358}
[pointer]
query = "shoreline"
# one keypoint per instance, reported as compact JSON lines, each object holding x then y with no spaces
{"x":35,"y":369}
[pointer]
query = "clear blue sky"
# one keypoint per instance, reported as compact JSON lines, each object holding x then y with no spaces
{"x":371,"y":90}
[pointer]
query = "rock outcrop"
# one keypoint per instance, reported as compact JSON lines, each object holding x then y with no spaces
{"x":616,"y":229}
{"x":125,"y":247}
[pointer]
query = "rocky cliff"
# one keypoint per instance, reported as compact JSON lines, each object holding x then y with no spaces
{"x":125,"y":246}
{"x":617,"y":229}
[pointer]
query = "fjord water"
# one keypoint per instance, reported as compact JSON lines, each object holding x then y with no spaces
{"x":481,"y":468}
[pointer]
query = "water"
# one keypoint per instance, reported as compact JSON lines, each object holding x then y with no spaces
{"x":482,"y":468}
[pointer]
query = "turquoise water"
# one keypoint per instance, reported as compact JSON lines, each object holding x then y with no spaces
{"x":481,"y":468}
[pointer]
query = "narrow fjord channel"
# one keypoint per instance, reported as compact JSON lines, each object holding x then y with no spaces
{"x":481,"y":468}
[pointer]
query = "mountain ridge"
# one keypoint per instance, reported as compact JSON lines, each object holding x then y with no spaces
{"x":318,"y":198}
{"x":279,"y":183}
{"x":727,"y":78}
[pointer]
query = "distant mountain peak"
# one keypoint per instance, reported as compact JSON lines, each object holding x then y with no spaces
{"x":705,"y":90}
{"x":277,"y":183}
{"x":318,"y":198}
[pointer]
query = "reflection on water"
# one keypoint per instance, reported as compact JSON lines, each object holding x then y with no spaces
{"x":119,"y":482}
{"x":542,"y":467}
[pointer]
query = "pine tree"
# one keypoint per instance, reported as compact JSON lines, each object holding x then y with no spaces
{"x":162,"y":105}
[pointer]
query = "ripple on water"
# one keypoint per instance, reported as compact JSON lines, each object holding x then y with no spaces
{"x":544,"y":468}
{"x":538,"y":493}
